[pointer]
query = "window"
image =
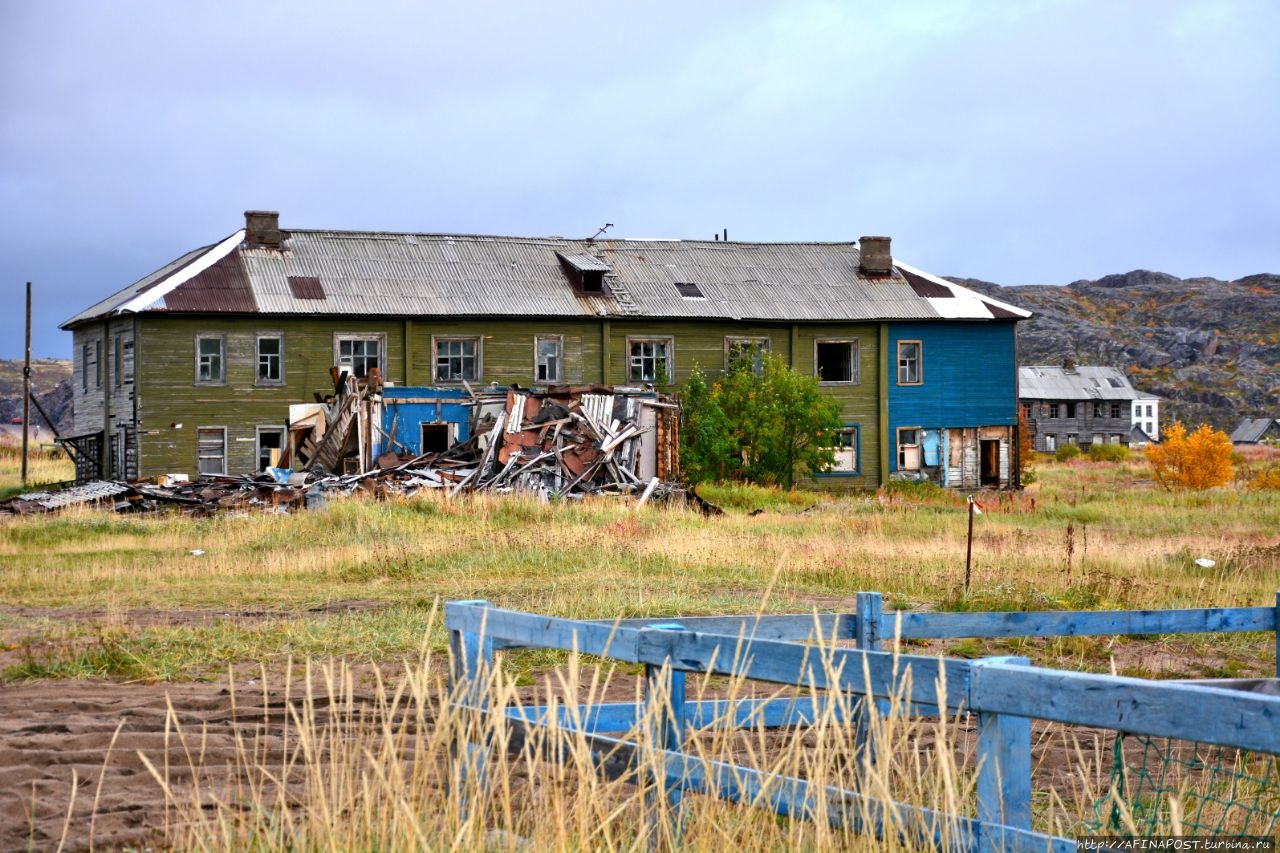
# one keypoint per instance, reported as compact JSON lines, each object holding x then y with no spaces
{"x":1072,"y":438}
{"x":211,"y":450}
{"x":1097,"y":410}
{"x":358,"y":354}
{"x":270,"y":360}
{"x":548,"y":359}
{"x":1053,"y":410}
{"x":846,"y":451}
{"x":270,"y":446}
{"x":1151,"y":411}
{"x":457,"y":359}
{"x":1115,"y":410}
{"x":650,"y":360}
{"x":1071,"y":410}
{"x":210,"y":363}
{"x":117,"y":361}
{"x":836,"y":361}
{"x":89,"y":375}
{"x":739,"y":347}
{"x":909,"y":449}
{"x":689,"y":290}
{"x":909,"y":363}
{"x":1026,"y":410}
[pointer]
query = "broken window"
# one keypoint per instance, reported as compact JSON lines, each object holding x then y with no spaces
{"x":358,"y":354}
{"x":211,"y":450}
{"x":909,"y":362}
{"x":736,"y":348}
{"x":548,"y":359}
{"x":210,"y":359}
{"x":270,"y":446}
{"x":908,"y":448}
{"x":846,"y":450}
{"x":650,"y":360}
{"x":270,"y":360}
{"x":837,"y":361}
{"x":1071,"y":410}
{"x":1097,"y":410}
{"x":457,"y":359}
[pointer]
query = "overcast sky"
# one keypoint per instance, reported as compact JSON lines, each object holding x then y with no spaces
{"x":1014,"y":141}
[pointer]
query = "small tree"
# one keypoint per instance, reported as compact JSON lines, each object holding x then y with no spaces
{"x":1026,"y":451}
{"x":762,"y":426}
{"x":1201,"y":460}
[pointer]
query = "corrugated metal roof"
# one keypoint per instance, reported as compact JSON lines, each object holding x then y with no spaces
{"x":1048,"y":382}
{"x":1252,"y":430}
{"x":450,"y":275}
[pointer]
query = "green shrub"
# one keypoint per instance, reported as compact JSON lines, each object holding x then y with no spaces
{"x":1108,"y":452}
{"x":1067,"y":452}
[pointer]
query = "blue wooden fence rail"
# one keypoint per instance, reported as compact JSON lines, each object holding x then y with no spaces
{"x":1004,"y":693}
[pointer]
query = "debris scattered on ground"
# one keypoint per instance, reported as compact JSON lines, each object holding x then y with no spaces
{"x":564,"y":443}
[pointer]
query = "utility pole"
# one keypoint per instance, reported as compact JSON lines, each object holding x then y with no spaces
{"x":26,"y":392}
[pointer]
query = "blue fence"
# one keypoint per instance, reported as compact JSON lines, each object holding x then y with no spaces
{"x":1005,"y":694}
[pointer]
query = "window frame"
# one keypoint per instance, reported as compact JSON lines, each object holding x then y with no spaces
{"x":668,"y":342}
{"x":221,"y":338}
{"x":762,"y":343}
{"x":855,"y":361}
{"x":899,"y":446}
{"x":1055,"y":411}
{"x":257,"y":359}
{"x":855,"y":430}
{"x":538,"y":340}
{"x":379,"y":338}
{"x":262,"y":429}
{"x":918,"y":361}
{"x":203,"y":429}
{"x":477,"y":358}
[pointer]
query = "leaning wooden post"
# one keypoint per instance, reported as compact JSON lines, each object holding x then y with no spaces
{"x":665,"y":715}
{"x":868,"y":624}
{"x":471,"y":665}
{"x":1004,"y":770}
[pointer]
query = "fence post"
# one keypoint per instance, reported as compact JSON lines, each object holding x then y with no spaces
{"x":471,"y":664}
{"x":1004,"y":770}
{"x":665,"y":713}
{"x":868,"y":624}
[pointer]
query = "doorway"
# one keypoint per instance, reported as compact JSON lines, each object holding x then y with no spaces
{"x":989,"y":473}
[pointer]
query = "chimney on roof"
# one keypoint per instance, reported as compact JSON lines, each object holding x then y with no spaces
{"x":1068,"y":365}
{"x":262,"y":228}
{"x":876,"y":257}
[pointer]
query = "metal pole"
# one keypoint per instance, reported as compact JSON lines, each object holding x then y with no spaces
{"x":26,"y":392}
{"x":968,"y":554}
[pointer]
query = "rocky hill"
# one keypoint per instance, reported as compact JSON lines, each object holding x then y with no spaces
{"x":1210,"y":348}
{"x":51,"y":381}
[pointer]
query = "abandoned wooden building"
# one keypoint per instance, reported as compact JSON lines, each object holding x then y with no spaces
{"x":194,"y":367}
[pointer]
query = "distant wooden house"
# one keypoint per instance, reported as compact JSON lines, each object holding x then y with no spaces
{"x":1256,"y":431}
{"x":1083,"y":404}
{"x":194,"y":367}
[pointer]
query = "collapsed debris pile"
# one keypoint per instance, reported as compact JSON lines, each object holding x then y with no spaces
{"x":566,"y":442}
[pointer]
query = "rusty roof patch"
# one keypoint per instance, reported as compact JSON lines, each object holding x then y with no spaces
{"x":923,"y":287}
{"x":223,"y":287}
{"x":306,"y":287}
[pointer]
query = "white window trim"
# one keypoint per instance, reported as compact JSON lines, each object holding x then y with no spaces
{"x":221,"y":429}
{"x":257,"y":359}
{"x":856,"y":430}
{"x":856,"y":360}
{"x":537,"y":342}
{"x":380,"y":338}
{"x":435,"y":356}
{"x":283,"y":431}
{"x":668,"y":341}
{"x":221,"y":338}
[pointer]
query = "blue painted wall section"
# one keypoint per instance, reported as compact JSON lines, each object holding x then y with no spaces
{"x":406,"y":408}
{"x":969,"y":372}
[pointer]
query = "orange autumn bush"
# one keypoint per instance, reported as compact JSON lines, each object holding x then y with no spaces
{"x":1199,"y":460}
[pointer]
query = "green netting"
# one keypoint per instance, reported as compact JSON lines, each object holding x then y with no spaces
{"x":1163,"y":785}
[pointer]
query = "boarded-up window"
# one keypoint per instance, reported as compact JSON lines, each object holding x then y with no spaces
{"x":211,"y":450}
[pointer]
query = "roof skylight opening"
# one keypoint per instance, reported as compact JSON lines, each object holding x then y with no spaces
{"x":689,"y":290}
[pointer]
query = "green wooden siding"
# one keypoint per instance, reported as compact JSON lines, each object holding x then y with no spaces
{"x":595,"y":352}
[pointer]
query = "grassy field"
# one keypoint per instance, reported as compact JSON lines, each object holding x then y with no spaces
{"x":343,"y":603}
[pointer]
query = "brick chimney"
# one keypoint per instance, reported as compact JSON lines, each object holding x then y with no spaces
{"x":876,"y":257}
{"x":262,"y":228}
